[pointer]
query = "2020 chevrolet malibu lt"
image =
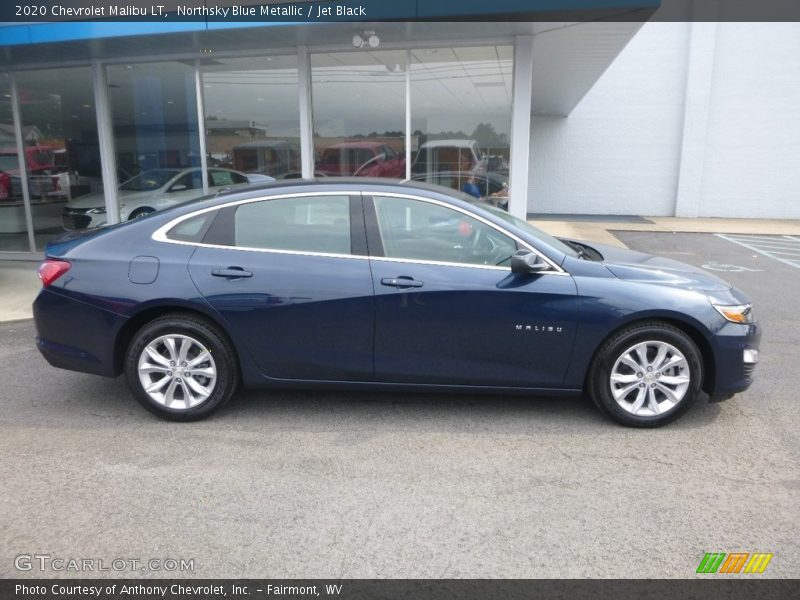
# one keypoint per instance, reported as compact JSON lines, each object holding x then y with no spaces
{"x":368,"y":284}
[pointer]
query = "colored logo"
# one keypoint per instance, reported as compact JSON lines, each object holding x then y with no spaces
{"x":736,"y":562}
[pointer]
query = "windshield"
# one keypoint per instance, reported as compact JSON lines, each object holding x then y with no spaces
{"x":528,"y":228}
{"x":149,"y":180}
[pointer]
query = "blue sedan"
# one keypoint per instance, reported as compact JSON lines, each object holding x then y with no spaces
{"x":384,"y":285}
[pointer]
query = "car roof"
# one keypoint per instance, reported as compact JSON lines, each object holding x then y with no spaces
{"x":332,"y":182}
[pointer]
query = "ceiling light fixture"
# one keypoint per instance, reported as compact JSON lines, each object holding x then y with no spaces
{"x":366,"y":38}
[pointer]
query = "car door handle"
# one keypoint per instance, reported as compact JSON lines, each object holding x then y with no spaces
{"x":231,"y":273}
{"x":401,"y":282}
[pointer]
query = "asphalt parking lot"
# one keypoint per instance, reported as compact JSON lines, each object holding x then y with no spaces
{"x":311,"y":484}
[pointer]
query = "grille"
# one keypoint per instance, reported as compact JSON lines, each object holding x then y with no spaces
{"x":748,"y":370}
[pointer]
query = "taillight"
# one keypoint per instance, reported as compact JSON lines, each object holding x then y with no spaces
{"x":52,"y":269}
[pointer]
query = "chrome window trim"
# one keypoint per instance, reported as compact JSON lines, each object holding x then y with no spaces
{"x":160,"y":234}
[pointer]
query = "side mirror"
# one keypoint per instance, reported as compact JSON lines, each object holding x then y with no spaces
{"x":525,"y":262}
{"x":178,"y":187}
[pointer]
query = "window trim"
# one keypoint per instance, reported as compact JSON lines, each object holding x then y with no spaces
{"x":160,"y":234}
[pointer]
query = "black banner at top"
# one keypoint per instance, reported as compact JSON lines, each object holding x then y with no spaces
{"x":309,"y":11}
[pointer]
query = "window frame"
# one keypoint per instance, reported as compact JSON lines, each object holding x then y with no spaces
{"x":221,"y":226}
{"x":365,"y":217}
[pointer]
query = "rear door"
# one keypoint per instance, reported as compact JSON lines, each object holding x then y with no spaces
{"x":449,"y":310}
{"x":291,"y":277}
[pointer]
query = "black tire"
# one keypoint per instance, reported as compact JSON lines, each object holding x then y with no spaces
{"x":211,"y":338}
{"x":598,"y":381}
{"x":141,"y":212}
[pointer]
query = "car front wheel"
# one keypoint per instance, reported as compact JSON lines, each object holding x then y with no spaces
{"x":646,"y":375}
{"x":181,"y":367}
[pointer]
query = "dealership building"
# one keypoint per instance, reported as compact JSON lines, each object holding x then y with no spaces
{"x":601,"y":117}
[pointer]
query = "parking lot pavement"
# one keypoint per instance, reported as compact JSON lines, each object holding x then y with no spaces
{"x":313,"y":484}
{"x":783,"y":248}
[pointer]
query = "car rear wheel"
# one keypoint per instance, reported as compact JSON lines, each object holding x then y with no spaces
{"x":181,"y":367}
{"x":646,"y":375}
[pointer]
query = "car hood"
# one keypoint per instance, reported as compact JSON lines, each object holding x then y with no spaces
{"x":631,"y":265}
{"x":99,"y":200}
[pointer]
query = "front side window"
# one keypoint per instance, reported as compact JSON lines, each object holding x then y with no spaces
{"x":218,"y":178}
{"x":302,"y":224}
{"x":418,"y":230}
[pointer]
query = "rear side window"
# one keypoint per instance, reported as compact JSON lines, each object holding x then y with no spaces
{"x":301,"y":224}
{"x":193,"y":229}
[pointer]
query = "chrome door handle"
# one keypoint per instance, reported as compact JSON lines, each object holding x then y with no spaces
{"x":231,"y":273}
{"x":401,"y":282}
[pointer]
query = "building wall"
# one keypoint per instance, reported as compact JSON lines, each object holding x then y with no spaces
{"x":644,"y":142}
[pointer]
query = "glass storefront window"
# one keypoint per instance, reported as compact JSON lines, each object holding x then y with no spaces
{"x":252,"y":116}
{"x":461,"y":119}
{"x":359,"y":113}
{"x":156,"y":137}
{"x":62,"y":153}
{"x":13,"y":227}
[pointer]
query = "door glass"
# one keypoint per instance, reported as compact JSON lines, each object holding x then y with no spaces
{"x":13,"y":227}
{"x":252,"y":114}
{"x":359,"y":113}
{"x":417,"y":230}
{"x":62,"y":152}
{"x":305,"y":224}
{"x":461,"y":118}
{"x":156,"y":132}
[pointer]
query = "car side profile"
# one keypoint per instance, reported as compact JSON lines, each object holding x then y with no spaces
{"x":383,"y":285}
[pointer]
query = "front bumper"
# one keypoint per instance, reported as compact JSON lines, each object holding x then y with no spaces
{"x":80,"y":218}
{"x":735,"y":349}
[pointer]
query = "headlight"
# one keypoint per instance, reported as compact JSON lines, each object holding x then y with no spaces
{"x":741,"y":313}
{"x":97,"y":211}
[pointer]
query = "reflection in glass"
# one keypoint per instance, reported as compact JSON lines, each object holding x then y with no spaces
{"x":13,"y":227}
{"x":359,"y":113}
{"x":461,"y":119}
{"x":156,"y":137}
{"x":252,"y":115}
{"x":62,"y":153}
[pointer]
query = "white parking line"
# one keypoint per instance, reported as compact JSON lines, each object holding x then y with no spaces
{"x":766,"y":246}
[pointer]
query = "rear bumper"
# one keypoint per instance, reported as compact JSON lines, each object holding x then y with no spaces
{"x":734,"y":370}
{"x":74,"y":335}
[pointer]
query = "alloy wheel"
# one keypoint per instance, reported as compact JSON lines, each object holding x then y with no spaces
{"x":177,"y":371}
{"x":650,"y":378}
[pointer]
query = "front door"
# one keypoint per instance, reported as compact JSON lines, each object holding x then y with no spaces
{"x":449,"y":310}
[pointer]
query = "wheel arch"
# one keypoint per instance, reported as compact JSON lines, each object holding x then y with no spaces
{"x":152,"y":312}
{"x":693,"y":330}
{"x":140,"y":209}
